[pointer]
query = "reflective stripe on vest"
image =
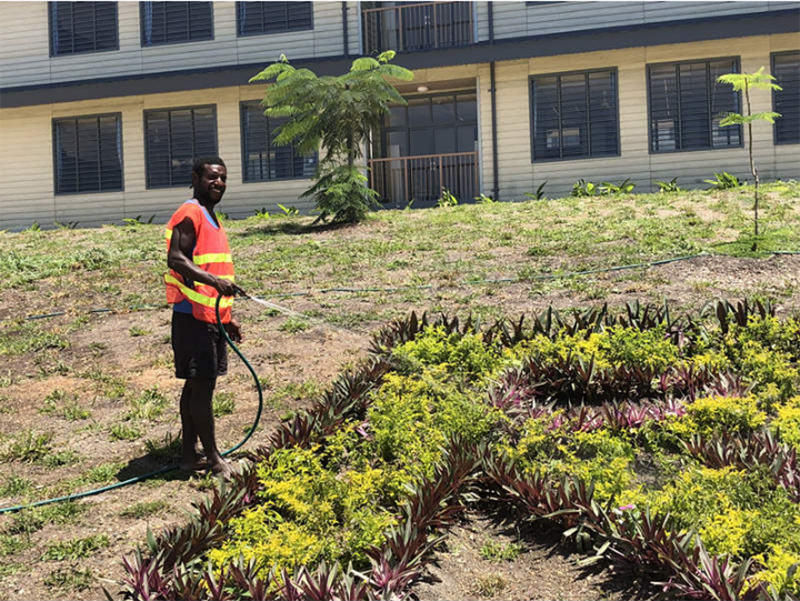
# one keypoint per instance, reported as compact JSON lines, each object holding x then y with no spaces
{"x":198,"y":297}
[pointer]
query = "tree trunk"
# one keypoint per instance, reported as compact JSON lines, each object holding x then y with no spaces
{"x":753,"y":169}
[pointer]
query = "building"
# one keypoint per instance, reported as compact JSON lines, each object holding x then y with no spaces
{"x":103,"y":104}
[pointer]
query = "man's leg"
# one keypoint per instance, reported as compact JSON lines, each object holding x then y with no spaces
{"x":191,"y":453}
{"x":202,"y":416}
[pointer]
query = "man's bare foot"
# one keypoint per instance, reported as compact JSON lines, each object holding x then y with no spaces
{"x":196,"y":463}
{"x":222,"y":469}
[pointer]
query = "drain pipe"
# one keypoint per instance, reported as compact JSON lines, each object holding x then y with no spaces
{"x":344,"y":30}
{"x":493,"y":93}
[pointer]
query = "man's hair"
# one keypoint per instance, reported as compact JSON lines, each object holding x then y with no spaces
{"x":201,"y":162}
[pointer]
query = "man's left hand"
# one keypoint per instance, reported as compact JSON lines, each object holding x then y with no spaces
{"x":234,"y":330}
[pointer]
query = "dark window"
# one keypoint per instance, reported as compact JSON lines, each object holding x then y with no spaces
{"x":261,"y":158}
{"x":786,"y":70}
{"x":574,"y":115}
{"x":687,"y":104}
{"x":174,"y":138}
{"x":87,"y":154}
{"x":433,"y":124}
{"x":255,"y":18}
{"x":175,"y":22}
{"x":82,"y":27}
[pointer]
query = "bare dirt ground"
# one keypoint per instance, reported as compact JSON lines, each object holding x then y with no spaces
{"x":114,"y":357}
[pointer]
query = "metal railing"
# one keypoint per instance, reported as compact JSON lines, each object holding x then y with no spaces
{"x":421,"y":179}
{"x":418,"y":26}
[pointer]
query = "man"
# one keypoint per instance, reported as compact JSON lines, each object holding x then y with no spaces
{"x":200,"y":269}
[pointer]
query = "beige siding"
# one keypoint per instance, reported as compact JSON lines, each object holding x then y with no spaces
{"x":27,"y":151}
{"x":518,"y":175}
{"x":25,"y":58}
{"x":518,"y":19}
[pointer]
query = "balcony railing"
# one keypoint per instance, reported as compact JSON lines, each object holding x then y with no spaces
{"x":418,"y":26}
{"x":421,"y":179}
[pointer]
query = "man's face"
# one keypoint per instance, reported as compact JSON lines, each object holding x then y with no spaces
{"x":211,"y":185}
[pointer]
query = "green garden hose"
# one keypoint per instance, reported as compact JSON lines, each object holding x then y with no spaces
{"x":168,"y":468}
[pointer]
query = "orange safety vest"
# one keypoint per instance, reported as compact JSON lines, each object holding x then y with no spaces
{"x":212,"y":254}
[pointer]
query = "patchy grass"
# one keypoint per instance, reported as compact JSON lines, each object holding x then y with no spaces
{"x":480,"y":260}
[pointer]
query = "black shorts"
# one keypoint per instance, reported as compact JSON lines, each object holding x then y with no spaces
{"x":199,"y":347}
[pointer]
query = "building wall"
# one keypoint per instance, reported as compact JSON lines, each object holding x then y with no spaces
{"x":520,"y":19}
{"x":25,"y":59}
{"x":518,"y":175}
{"x":30,"y":159}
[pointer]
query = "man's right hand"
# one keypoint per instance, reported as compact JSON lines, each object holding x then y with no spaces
{"x":226,"y":287}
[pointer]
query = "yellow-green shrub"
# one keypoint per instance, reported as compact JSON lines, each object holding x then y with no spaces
{"x":787,"y":422}
{"x":411,"y":418}
{"x":777,"y":564}
{"x":465,"y":355}
{"x":307,"y":513}
{"x":717,"y":413}
{"x":613,"y":347}
{"x":600,"y":457}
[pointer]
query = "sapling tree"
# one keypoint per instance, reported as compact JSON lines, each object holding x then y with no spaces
{"x":334,"y":115}
{"x":744,"y":82}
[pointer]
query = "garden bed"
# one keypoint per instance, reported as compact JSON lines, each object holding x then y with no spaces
{"x":660,"y":444}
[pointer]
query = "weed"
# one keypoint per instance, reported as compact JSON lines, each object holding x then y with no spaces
{"x":669,"y":187}
{"x":70,"y":578}
{"x":447,"y":199}
{"x":149,"y":405}
{"x":59,"y":458}
{"x":539,"y":194}
{"x":15,"y":485}
{"x":144,"y":509}
{"x":496,"y":551}
{"x":102,"y":473}
{"x":293,"y":325}
{"x":28,"y":446}
{"x":490,"y":585}
{"x":168,"y":448}
{"x":11,"y":544}
{"x":483,"y":199}
{"x":26,"y":522}
{"x":72,"y":411}
{"x":124,"y":431}
{"x":293,"y":391}
{"x":9,"y":568}
{"x":135,"y":331}
{"x":723,"y":181}
{"x":77,"y":548}
{"x":224,"y":404}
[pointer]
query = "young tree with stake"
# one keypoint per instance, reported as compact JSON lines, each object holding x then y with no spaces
{"x":744,"y":82}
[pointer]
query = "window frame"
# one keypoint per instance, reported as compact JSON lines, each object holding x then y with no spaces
{"x":615,"y":74}
{"x":775,"y":92}
{"x":408,"y":129}
{"x":243,"y":105}
{"x":97,"y":116}
{"x":51,"y":24}
{"x":738,"y":62}
{"x":288,"y":29}
{"x":142,"y":43}
{"x":147,"y":153}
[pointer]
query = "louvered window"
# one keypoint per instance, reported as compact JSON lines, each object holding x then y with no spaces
{"x":174,"y":138}
{"x":574,"y":115}
{"x":254,"y":18}
{"x":175,"y":22}
{"x":786,"y":70}
{"x":82,"y":27}
{"x":687,"y":104}
{"x":262,"y":159}
{"x":87,"y":154}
